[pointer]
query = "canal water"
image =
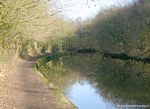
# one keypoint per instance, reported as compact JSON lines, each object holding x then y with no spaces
{"x":91,"y":81}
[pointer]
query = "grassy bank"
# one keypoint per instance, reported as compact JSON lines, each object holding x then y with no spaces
{"x":50,"y":57}
{"x":39,"y":68}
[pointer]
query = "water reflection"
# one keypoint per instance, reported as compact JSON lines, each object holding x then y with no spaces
{"x":94,"y":82}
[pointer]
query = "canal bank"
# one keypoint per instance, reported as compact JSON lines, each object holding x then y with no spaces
{"x":59,"y":94}
{"x":24,"y":89}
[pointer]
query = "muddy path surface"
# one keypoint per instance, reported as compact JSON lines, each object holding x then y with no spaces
{"x":22,"y":88}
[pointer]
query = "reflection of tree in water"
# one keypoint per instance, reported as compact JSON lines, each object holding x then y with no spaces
{"x":119,"y":82}
{"x":64,"y":76}
{"x":55,"y":73}
{"x":124,"y":82}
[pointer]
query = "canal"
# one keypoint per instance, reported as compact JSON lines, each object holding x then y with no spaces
{"x":91,"y":81}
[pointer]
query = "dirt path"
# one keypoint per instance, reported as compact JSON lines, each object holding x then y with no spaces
{"x":25,"y":89}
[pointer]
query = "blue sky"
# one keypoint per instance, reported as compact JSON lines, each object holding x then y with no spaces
{"x":73,"y":9}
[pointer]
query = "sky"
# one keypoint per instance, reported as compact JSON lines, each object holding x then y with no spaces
{"x":85,"y":9}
